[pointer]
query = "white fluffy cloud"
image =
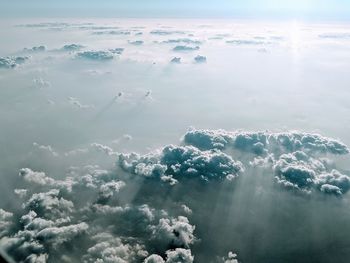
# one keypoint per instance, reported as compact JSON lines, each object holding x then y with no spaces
{"x":182,"y":163}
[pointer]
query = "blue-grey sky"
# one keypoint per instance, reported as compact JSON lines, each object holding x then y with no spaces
{"x":313,"y":9}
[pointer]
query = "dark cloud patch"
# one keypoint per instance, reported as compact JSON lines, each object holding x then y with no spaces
{"x":200,"y":59}
{"x":72,"y":47}
{"x":185,"y":48}
{"x":96,"y":55}
{"x":35,"y":49}
{"x":176,"y":60}
{"x":117,"y":51}
{"x":300,"y":171}
{"x":12,"y":62}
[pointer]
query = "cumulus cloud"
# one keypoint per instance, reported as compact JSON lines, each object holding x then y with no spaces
{"x":5,"y":222}
{"x":185,"y":48}
{"x":117,"y":51}
{"x":200,"y":59}
{"x":39,"y":178}
{"x":181,"y":163}
{"x":96,"y":55}
{"x":124,"y":138}
{"x":173,"y":256}
{"x":298,"y":170}
{"x":294,"y":157}
{"x":131,"y":214}
{"x":12,"y":62}
{"x":46,"y":149}
{"x":110,"y":249}
{"x":179,"y":255}
{"x":231,"y":258}
{"x":60,"y":235}
{"x":72,"y":47}
{"x":103,"y":148}
{"x":262,"y":142}
{"x":176,"y":60}
{"x":35,"y":49}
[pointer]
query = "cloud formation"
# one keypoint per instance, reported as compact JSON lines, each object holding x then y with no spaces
{"x":12,"y":62}
{"x":96,"y":55}
{"x":149,"y":208}
{"x":185,"y":48}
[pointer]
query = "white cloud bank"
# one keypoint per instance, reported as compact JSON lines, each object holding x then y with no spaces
{"x":102,"y":218}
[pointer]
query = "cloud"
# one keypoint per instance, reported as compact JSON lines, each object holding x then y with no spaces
{"x":50,"y":204}
{"x":117,"y":51}
{"x":231,"y":258}
{"x":294,"y":157}
{"x":72,"y":47}
{"x":179,"y":255}
{"x":12,"y":62}
{"x":111,"y":249}
{"x":77,"y":103}
{"x":154,"y":259}
{"x":40,"y":83}
{"x":136,"y":42}
{"x":182,"y":40}
{"x":300,"y":171}
{"x":5,"y":222}
{"x":112,"y":32}
{"x":185,"y":48}
{"x":262,"y":142}
{"x":200,"y":59}
{"x":130,"y":213}
{"x":60,"y":235}
{"x":35,"y":49}
{"x":125,"y":137}
{"x":176,"y":60}
{"x":103,"y":148}
{"x":182,"y":163}
{"x":46,"y":149}
{"x":176,"y":232}
{"x":39,"y":178}
{"x":22,"y":193}
{"x":173,"y":256}
{"x":96,"y":55}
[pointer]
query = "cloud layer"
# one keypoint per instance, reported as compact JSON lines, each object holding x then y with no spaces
{"x":120,"y":215}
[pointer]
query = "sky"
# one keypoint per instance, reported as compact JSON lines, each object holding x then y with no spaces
{"x":273,"y":9}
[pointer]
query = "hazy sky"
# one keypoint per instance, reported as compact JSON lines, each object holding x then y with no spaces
{"x":307,"y":9}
